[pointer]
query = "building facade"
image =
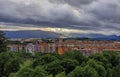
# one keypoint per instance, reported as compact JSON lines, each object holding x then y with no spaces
{"x":60,"y":47}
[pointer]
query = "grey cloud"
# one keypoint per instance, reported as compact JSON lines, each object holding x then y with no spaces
{"x":76,"y":14}
{"x":38,"y":11}
{"x":76,"y":3}
{"x":106,"y":11}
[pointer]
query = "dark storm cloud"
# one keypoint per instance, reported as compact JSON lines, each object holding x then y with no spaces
{"x":37,"y":12}
{"x":75,"y":3}
{"x":72,"y":14}
{"x":108,"y":11}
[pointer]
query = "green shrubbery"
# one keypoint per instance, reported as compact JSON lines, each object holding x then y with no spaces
{"x":72,"y":64}
{"x":2,"y":42}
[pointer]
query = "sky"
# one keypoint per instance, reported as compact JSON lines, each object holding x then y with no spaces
{"x":61,"y":16}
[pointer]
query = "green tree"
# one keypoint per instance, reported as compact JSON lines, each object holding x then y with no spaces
{"x":45,"y":59}
{"x":77,"y":55}
{"x":86,"y":71}
{"x":54,"y":68}
{"x":77,"y":72}
{"x":99,"y":58}
{"x":56,"y":55}
{"x":99,"y":68}
{"x":108,"y":59}
{"x":62,"y":74}
{"x":90,"y":72}
{"x":12,"y":66}
{"x":9,"y":63}
{"x":27,"y":70}
{"x":117,"y":71}
{"x":112,"y":57}
{"x":110,"y":72}
{"x":24,"y":56}
{"x":69,"y":64}
{"x":40,"y":72}
{"x":3,"y":47}
{"x":24,"y":71}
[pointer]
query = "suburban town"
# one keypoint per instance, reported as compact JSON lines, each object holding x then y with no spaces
{"x":61,"y":46}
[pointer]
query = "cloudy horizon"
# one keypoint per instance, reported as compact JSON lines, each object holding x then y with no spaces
{"x":61,"y":16}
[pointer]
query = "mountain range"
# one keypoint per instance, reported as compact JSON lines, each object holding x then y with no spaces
{"x":31,"y":34}
{"x":45,"y":34}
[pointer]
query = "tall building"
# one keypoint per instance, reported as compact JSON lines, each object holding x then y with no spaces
{"x":60,"y":47}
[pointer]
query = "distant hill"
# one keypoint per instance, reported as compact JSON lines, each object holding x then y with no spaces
{"x":111,"y":37}
{"x":95,"y":36}
{"x":31,"y":34}
{"x":45,"y":34}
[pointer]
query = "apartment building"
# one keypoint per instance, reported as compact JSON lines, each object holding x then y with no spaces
{"x":86,"y":47}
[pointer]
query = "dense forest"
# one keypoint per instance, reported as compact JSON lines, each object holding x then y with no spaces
{"x":71,"y":64}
